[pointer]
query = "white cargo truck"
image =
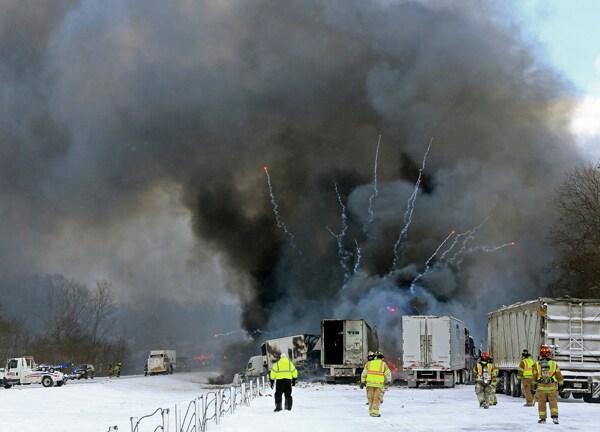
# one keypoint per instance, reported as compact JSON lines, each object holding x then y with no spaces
{"x":303,"y":350}
{"x":570,"y":327}
{"x":345,"y":345}
{"x":24,"y":370}
{"x":162,"y":362}
{"x":435,"y":350}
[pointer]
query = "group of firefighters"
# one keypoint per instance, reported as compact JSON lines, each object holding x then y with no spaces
{"x":541,"y":378}
{"x":114,"y":370}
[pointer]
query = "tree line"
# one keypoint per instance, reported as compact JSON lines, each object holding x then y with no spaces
{"x":79,"y":325}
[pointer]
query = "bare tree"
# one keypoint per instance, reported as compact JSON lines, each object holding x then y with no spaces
{"x":103,"y":323}
{"x":576,"y":235}
{"x":14,"y":336}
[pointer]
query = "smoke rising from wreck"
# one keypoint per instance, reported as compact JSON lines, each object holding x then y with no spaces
{"x":109,"y":100}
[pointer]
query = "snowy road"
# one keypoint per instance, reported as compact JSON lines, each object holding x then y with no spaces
{"x":83,"y":406}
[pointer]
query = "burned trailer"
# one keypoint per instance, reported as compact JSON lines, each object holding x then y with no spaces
{"x":303,"y":350}
{"x":345,"y":346}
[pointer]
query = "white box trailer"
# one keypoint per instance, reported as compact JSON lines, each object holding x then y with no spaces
{"x":162,"y":362}
{"x":570,"y":327}
{"x":345,"y":346}
{"x":435,"y":350}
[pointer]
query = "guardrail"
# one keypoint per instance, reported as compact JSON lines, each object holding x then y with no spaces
{"x":199,"y":412}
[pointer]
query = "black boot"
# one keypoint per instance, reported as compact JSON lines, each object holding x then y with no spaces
{"x":542,"y":421}
{"x":277,"y":407}
{"x":288,"y":403}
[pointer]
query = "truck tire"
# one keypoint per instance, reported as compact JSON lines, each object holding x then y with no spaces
{"x":506,"y":383}
{"x":514,"y":385}
{"x":564,"y":394}
{"x":47,"y":381}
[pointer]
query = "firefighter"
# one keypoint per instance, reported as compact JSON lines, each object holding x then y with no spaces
{"x":117,"y":370}
{"x":484,"y":376}
{"x":370,"y":357}
{"x":146,"y":369}
{"x":110,"y":370}
{"x":525,"y":374}
{"x":375,"y":376}
{"x":547,"y":375}
{"x":284,"y":374}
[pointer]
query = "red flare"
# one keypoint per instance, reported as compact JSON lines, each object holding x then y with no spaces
{"x":512,"y":243}
{"x":453,"y":232}
{"x":266,"y":168}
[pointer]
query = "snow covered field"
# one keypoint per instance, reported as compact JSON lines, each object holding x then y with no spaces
{"x":94,"y":405}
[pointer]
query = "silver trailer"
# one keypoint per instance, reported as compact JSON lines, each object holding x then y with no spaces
{"x":570,"y":327}
{"x":436,"y":350}
{"x":345,"y":345}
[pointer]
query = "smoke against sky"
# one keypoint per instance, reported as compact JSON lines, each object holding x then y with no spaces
{"x":126,"y":123}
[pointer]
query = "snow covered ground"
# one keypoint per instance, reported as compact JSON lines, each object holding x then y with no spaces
{"x":94,"y":405}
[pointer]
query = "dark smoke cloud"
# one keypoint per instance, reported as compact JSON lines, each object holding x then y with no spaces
{"x":115,"y":114}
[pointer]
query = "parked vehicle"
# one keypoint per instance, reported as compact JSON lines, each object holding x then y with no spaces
{"x":24,"y":370}
{"x":52,"y":368}
{"x":436,"y":350}
{"x":162,"y":362}
{"x":303,"y":350}
{"x":570,"y":327}
{"x":345,"y":346}
{"x":83,"y":371}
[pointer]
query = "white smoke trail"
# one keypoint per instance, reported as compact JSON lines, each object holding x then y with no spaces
{"x":483,"y":248}
{"x":375,"y":190}
{"x":410,"y":207}
{"x":420,"y":275}
{"x":469,"y":232}
{"x":342,"y":252}
{"x":280,"y":223}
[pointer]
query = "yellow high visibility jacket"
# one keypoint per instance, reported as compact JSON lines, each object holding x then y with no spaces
{"x":376,"y":373}
{"x":547,"y":374}
{"x":491,"y":370}
{"x":283,"y":369}
{"x":526,"y":368}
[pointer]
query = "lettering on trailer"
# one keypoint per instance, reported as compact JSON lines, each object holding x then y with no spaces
{"x":353,"y":332}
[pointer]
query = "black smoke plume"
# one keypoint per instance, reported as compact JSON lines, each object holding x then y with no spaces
{"x":106,"y":102}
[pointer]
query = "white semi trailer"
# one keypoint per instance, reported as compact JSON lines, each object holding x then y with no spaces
{"x":570,"y":327}
{"x":162,"y":362}
{"x":345,"y":345}
{"x":436,"y":350}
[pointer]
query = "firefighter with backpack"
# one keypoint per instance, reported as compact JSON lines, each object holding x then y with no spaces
{"x":548,"y":382}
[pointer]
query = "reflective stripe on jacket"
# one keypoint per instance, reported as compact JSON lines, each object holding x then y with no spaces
{"x":526,"y":367}
{"x":283,"y":369}
{"x":491,"y":370}
{"x":547,"y":383}
{"x":376,"y":373}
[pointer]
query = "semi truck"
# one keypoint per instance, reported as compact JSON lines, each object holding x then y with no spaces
{"x":304,"y":350}
{"x":345,"y":346}
{"x":24,"y":370}
{"x":162,"y":362}
{"x":436,"y":350}
{"x":569,"y":326}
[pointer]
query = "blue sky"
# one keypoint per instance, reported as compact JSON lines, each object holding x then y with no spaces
{"x":570,"y":31}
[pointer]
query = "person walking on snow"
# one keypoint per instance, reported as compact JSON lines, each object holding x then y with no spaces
{"x":525,"y":374}
{"x":547,"y":375}
{"x":375,"y":376}
{"x":370,"y":357}
{"x":485,"y":374}
{"x":283,"y":375}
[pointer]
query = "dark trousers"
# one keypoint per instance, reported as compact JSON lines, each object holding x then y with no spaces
{"x":283,"y":386}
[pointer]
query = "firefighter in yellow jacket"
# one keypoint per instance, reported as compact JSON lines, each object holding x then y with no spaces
{"x":375,"y":376}
{"x":283,"y":375}
{"x":547,"y":375}
{"x":485,"y":380}
{"x":525,"y":374}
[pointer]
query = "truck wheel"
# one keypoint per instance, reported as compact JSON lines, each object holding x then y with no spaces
{"x":59,"y":383}
{"x":578,"y":395}
{"x":564,"y":394}
{"x":506,"y":383}
{"x":51,"y":370}
{"x":515,"y":388}
{"x":47,"y":381}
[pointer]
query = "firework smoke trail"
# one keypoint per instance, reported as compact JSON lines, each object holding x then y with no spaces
{"x":358,"y":257}
{"x":343,"y":254}
{"x":410,"y":207}
{"x":218,"y":335}
{"x":420,"y":275}
{"x":483,"y":249}
{"x":375,"y":190}
{"x":470,"y":236}
{"x":280,"y":223}
{"x":469,"y":232}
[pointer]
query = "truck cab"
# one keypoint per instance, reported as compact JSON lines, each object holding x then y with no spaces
{"x":23,"y":370}
{"x":255,"y":367}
